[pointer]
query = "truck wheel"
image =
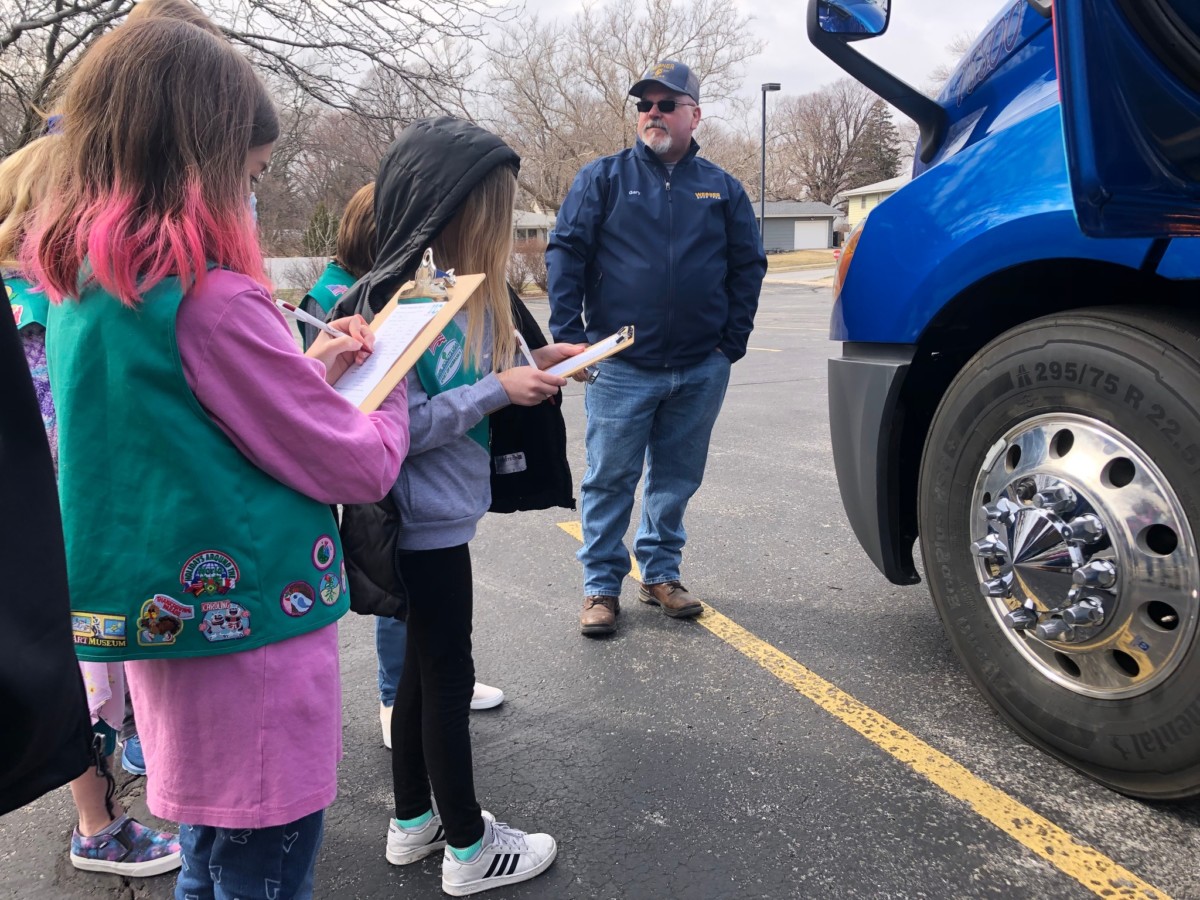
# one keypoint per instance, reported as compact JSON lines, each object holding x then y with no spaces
{"x":1059,"y":507}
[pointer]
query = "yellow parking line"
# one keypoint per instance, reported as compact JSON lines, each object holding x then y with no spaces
{"x":1088,"y":866}
{"x":764,"y":349}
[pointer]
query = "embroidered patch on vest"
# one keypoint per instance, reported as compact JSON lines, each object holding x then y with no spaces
{"x":209,"y":572}
{"x":323,"y":552}
{"x":297,"y":598}
{"x":98,"y":629}
{"x":343,"y":578}
{"x":18,"y":311}
{"x":161,"y":619}
{"x":224,"y":621}
{"x":331,"y":589}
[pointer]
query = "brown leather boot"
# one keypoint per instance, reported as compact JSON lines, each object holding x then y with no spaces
{"x":673,"y":597}
{"x":599,"y":614}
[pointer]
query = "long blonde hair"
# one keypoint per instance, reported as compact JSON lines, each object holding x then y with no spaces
{"x":479,"y":239}
{"x":23,"y":179}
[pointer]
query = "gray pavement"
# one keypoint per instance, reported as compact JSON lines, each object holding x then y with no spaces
{"x":669,"y":765}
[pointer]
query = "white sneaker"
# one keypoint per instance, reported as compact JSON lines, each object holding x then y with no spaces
{"x":385,"y":722}
{"x":486,"y":696}
{"x":506,"y":857}
{"x":407,"y":845}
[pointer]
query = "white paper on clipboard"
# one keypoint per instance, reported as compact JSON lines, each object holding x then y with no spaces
{"x":394,"y":336}
{"x":614,"y":343}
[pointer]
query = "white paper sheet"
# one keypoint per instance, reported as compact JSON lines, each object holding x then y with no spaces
{"x":394,"y":336}
{"x":593,"y":353}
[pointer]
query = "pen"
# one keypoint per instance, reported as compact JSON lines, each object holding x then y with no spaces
{"x":525,"y":348}
{"x":289,"y":309}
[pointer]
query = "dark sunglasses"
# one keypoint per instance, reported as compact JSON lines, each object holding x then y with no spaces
{"x":664,"y":106}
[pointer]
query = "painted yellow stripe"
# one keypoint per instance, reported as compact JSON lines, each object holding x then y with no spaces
{"x":1088,"y":866}
{"x":764,"y":349}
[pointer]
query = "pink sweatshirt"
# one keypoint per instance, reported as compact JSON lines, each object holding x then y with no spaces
{"x":252,"y":739}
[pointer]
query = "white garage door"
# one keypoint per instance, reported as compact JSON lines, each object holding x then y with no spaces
{"x":812,"y":235}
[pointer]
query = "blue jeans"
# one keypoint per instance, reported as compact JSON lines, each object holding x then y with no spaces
{"x":250,"y":863}
{"x":665,"y":418}
{"x":391,"y":637}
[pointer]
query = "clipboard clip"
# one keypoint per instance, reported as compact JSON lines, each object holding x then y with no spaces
{"x":625,"y":334}
{"x":428,"y":281}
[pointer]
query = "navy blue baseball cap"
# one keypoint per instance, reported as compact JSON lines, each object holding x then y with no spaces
{"x":672,"y":75}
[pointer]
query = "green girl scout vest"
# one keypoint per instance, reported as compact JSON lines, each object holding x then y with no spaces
{"x":444,"y":366}
{"x":324,"y":295}
{"x":177,"y":545}
{"x":28,"y":306}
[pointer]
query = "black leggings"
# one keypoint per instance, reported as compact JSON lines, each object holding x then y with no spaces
{"x":431,"y":736}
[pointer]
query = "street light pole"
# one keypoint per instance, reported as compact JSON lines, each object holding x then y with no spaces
{"x":762,"y":183}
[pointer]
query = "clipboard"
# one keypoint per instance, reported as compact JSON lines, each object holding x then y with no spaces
{"x":368,"y":384}
{"x":614,"y":343}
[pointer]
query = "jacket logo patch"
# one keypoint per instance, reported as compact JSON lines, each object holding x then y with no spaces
{"x":209,"y":572}
{"x":708,"y":195}
{"x":635,"y":193}
{"x":98,"y":629}
{"x":224,"y":621}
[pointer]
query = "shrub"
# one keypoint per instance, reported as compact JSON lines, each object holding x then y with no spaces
{"x":527,"y":267}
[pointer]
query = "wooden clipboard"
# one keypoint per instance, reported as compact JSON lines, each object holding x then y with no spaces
{"x":456,"y":296}
{"x":614,"y":343}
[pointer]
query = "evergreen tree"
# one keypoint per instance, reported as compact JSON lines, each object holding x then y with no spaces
{"x":877,"y":147}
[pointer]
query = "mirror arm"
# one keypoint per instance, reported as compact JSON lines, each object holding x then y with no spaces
{"x":928,"y":114}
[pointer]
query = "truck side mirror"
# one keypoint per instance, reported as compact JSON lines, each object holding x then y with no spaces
{"x":854,"y":20}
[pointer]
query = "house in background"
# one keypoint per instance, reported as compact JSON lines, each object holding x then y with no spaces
{"x":531,"y":226}
{"x":861,"y":200}
{"x":794,"y":225}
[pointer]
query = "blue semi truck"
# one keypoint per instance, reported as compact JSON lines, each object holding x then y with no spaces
{"x":1019,"y":382}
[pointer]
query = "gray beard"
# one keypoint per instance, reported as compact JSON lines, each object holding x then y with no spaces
{"x":657,"y":140}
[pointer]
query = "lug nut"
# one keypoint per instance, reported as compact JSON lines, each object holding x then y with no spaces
{"x":1098,"y":573}
{"x":1003,"y":511}
{"x":1021,"y":619}
{"x":997,"y":587}
{"x":1054,"y":630}
{"x":1086,"y":529}
{"x":1056,"y":499}
{"x":1025,"y":489}
{"x":990,"y":547}
{"x":1089,"y":612}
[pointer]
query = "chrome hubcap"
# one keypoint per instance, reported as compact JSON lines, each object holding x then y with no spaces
{"x":1085,"y":556}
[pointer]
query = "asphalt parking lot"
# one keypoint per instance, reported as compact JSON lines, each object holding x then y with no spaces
{"x":810,"y":737}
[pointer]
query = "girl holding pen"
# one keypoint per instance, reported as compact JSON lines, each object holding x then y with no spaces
{"x":450,"y":185}
{"x":195,"y":444}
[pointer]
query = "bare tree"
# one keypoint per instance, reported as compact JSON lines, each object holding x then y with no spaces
{"x":956,"y":50}
{"x":321,"y":47}
{"x":819,"y":138}
{"x":560,"y":90}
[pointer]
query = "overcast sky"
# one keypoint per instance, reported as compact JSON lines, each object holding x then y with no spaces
{"x":914,"y":44}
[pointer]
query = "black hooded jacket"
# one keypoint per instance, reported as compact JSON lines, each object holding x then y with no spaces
{"x":47,"y":732}
{"x":427,"y":173}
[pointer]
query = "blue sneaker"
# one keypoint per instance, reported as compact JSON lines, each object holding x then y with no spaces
{"x":132,"y":760}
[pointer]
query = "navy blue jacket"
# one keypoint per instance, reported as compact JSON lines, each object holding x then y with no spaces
{"x":678,"y":256}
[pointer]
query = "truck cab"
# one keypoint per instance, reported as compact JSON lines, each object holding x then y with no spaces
{"x":1019,"y":382}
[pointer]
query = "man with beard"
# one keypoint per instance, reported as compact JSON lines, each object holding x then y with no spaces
{"x":657,"y":238}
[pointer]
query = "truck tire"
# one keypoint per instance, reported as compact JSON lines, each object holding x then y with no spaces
{"x":1059,"y":503}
